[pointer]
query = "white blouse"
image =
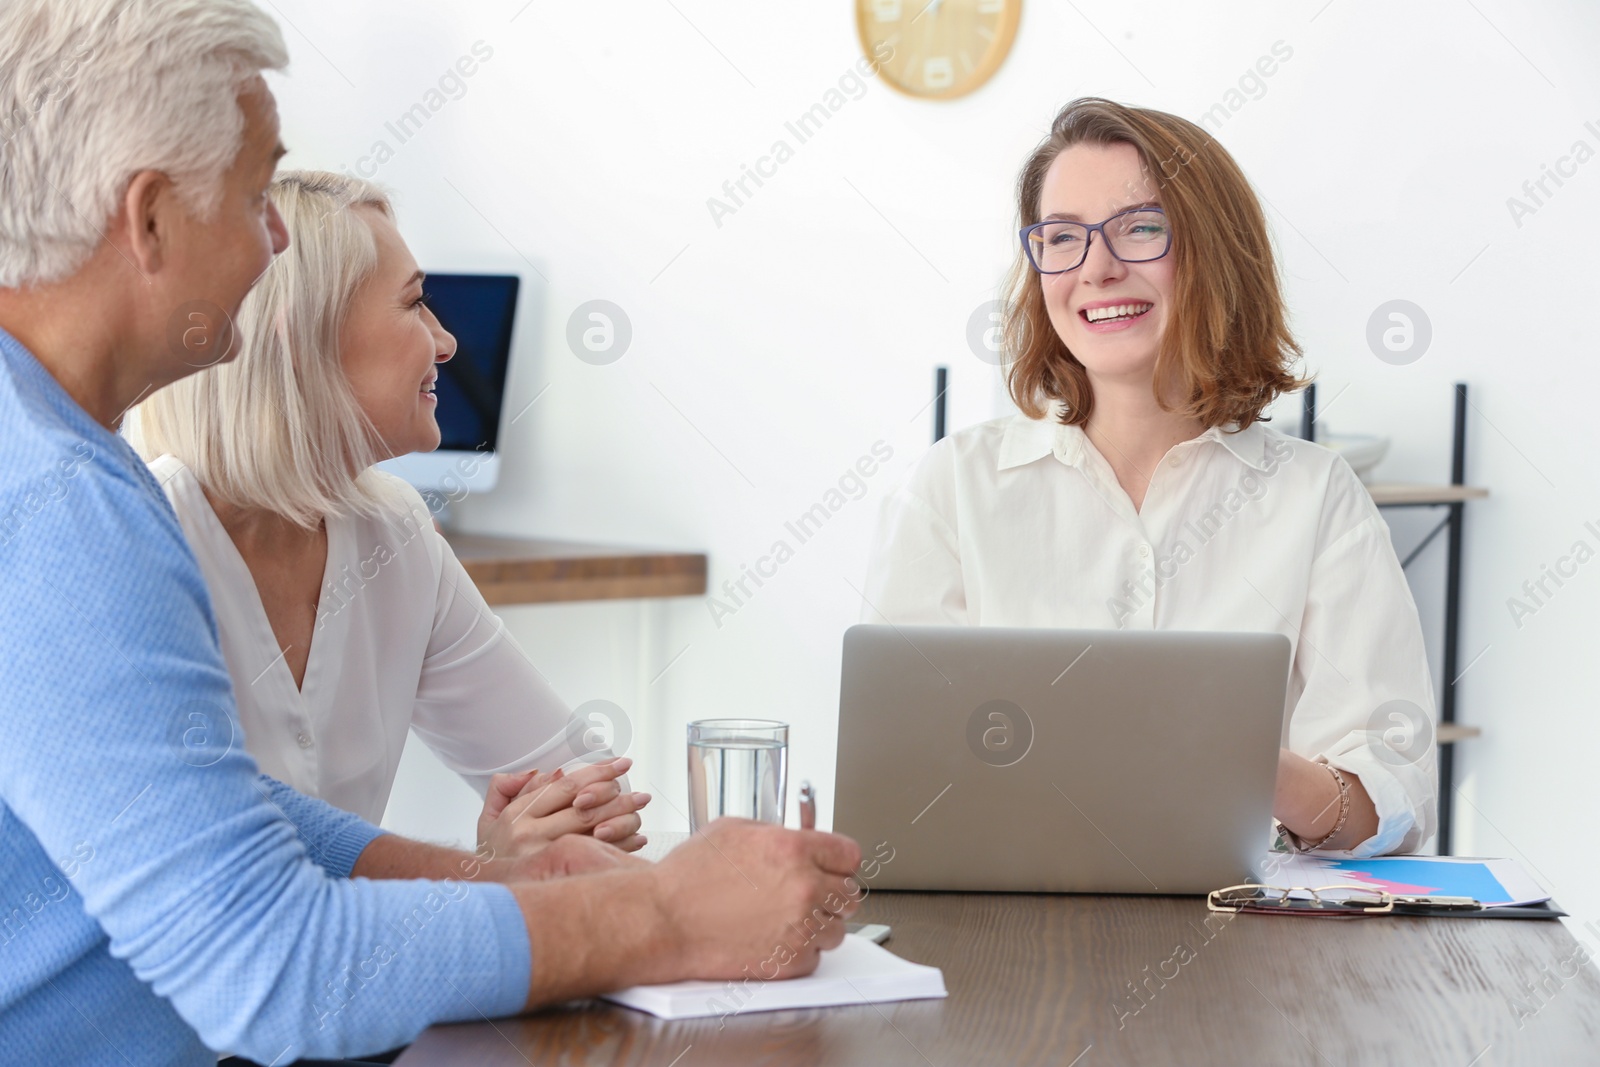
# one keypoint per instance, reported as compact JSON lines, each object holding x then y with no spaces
{"x":403,"y":640}
{"x":1021,"y":522}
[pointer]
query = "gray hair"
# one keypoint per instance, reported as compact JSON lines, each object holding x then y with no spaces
{"x":94,"y":91}
{"x":279,"y":427}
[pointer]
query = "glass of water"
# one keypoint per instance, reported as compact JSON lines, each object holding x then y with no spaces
{"x":737,"y":767}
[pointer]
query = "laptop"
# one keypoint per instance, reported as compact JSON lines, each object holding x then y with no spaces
{"x":1059,"y":761}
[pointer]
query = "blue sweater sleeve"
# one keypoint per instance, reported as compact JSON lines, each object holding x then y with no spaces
{"x":219,"y":888}
{"x":333,"y":837}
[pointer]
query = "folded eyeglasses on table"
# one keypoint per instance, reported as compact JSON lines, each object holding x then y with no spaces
{"x":1344,"y":901}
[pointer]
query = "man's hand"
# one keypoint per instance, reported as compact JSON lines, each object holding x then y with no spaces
{"x":742,"y":899}
{"x":523,"y":813}
{"x":749,"y":895}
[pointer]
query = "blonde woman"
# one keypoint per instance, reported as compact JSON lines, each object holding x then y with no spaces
{"x":1146,"y":335}
{"x":345,"y":618}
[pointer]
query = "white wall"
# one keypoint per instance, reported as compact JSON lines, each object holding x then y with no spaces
{"x":771,"y":351}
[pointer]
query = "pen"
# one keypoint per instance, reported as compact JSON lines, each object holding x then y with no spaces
{"x":808,"y":806}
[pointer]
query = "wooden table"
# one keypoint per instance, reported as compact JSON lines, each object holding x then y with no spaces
{"x":1091,"y":981}
{"x":517,"y":571}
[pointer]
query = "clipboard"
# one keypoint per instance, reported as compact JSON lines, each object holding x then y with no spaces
{"x":1252,"y":899}
{"x":1548,"y":910}
{"x":1422,"y":886}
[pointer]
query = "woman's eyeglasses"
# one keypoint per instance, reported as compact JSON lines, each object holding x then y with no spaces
{"x":1338,"y":900}
{"x":1135,"y":236}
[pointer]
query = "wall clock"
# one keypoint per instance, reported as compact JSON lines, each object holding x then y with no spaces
{"x":937,"y":49}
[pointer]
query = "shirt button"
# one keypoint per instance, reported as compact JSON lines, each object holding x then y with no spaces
{"x":1144,"y":550}
{"x":303,"y":739}
{"x":1175,"y":461}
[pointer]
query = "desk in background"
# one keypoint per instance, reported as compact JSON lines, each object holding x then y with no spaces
{"x":515,"y":571}
{"x":510,"y":570}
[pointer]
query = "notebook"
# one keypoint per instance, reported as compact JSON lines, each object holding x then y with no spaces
{"x":857,"y":972}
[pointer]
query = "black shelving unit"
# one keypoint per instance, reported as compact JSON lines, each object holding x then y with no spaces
{"x":1451,"y":525}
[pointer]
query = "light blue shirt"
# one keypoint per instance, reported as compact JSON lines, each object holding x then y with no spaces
{"x":161,"y":901}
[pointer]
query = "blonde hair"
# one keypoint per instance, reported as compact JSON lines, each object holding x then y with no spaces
{"x":279,"y":427}
{"x":1226,"y":350}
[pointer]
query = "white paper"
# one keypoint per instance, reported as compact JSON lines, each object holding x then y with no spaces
{"x":857,"y":972}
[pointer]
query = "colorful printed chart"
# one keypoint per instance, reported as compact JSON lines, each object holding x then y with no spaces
{"x":1410,"y":877}
{"x":1491,"y":882}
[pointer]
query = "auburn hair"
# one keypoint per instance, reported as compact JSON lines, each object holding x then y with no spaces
{"x":1226,"y":349}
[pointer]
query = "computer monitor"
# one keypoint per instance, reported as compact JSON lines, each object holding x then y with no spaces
{"x":480,"y":310}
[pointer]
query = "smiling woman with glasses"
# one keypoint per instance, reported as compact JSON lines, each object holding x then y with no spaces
{"x":1144,"y":338}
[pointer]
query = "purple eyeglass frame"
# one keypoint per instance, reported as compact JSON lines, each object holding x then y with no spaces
{"x":1093,"y":228}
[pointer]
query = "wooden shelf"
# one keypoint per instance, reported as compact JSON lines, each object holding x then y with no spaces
{"x":1451,"y":732}
{"x":511,"y":570}
{"x":1400,"y":493}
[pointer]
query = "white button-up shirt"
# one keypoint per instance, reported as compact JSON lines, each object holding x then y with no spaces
{"x":1021,"y":522}
{"x":403,"y":640}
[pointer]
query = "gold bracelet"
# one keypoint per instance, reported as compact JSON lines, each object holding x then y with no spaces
{"x":1294,"y":839}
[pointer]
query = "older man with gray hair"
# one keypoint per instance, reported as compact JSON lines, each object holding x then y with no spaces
{"x":160,"y":901}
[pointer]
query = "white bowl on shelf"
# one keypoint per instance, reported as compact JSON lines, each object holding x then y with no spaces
{"x":1363,"y":451}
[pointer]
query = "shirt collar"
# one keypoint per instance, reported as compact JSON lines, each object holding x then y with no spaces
{"x":1248,"y":444}
{"x":1027,"y":440}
